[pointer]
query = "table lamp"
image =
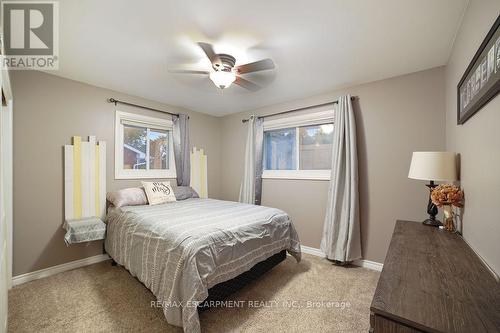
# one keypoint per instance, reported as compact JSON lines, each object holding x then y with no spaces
{"x":433,"y":166}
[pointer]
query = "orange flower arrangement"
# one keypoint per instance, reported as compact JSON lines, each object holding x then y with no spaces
{"x":447,"y":194}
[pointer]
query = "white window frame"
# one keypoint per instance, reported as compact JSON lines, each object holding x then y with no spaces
{"x":316,"y":118}
{"x":150,"y":123}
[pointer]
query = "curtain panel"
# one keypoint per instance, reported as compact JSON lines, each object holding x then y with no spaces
{"x":341,"y":239}
{"x":181,"y":149}
{"x":251,"y":185}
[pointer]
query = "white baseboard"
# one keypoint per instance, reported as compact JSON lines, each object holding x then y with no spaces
{"x":373,"y":265}
{"x":376,"y":266}
{"x":312,"y":251}
{"x":23,"y":278}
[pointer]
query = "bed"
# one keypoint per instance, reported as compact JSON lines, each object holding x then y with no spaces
{"x":182,"y":249}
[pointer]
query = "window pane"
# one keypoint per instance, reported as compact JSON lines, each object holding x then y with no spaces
{"x":158,"y":149}
{"x":279,"y":149}
{"x":315,"y":147}
{"x":134,"y":147}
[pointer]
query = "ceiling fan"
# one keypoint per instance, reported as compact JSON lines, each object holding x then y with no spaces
{"x":224,"y":72}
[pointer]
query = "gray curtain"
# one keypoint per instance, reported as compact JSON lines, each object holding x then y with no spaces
{"x":251,"y":185}
{"x":341,"y":233}
{"x":182,"y":150}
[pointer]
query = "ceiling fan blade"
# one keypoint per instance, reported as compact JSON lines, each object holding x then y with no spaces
{"x":260,"y":65}
{"x":246,"y":84}
{"x":209,"y":51}
{"x":188,"y":71}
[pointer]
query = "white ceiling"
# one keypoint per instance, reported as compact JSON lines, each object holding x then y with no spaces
{"x":317,"y":46}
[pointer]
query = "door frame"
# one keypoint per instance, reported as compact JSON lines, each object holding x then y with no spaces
{"x":7,"y":158}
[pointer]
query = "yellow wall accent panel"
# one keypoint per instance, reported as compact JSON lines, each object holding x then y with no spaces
{"x":199,"y":172}
{"x":84,"y":179}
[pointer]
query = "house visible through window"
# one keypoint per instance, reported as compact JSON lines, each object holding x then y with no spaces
{"x":299,"y":147}
{"x":136,"y":142}
{"x":143,"y":147}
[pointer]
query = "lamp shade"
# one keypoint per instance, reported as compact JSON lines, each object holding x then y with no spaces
{"x":433,"y":165}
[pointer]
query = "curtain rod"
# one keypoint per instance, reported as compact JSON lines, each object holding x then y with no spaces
{"x":112,"y":100}
{"x":299,"y":109}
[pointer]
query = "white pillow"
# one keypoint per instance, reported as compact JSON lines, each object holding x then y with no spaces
{"x":158,"y":192}
{"x":128,"y":197}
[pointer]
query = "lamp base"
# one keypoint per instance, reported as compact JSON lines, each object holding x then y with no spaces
{"x":432,"y":223}
{"x":432,"y":209}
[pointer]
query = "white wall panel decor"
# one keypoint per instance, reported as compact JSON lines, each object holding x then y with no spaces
{"x":199,"y":172}
{"x":84,"y":179}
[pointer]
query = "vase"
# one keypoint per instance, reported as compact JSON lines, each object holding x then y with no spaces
{"x":449,"y":221}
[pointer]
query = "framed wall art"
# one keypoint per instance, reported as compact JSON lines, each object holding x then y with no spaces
{"x":481,"y":81}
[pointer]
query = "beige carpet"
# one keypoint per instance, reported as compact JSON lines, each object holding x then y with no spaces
{"x":103,"y":298}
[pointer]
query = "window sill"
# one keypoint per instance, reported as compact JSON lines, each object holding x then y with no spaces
{"x":297,"y":174}
{"x":150,"y":174}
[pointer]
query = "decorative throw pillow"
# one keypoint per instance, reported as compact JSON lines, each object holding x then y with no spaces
{"x":184,"y":192}
{"x":158,"y":192}
{"x":128,"y":197}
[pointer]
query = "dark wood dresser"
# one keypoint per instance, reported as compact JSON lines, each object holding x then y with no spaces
{"x":432,"y":281}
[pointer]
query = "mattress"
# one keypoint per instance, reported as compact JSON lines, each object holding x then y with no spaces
{"x":181,"y":249}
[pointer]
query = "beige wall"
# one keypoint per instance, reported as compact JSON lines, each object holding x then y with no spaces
{"x":478,"y":140}
{"x":394,"y":118}
{"x":48,"y":111}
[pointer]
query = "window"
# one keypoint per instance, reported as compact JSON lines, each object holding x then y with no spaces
{"x":299,"y":147}
{"x":143,"y":147}
{"x":315,"y":147}
{"x":280,"y":149}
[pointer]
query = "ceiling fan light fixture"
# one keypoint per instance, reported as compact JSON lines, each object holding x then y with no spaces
{"x":224,"y":70}
{"x":222,"y":79}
